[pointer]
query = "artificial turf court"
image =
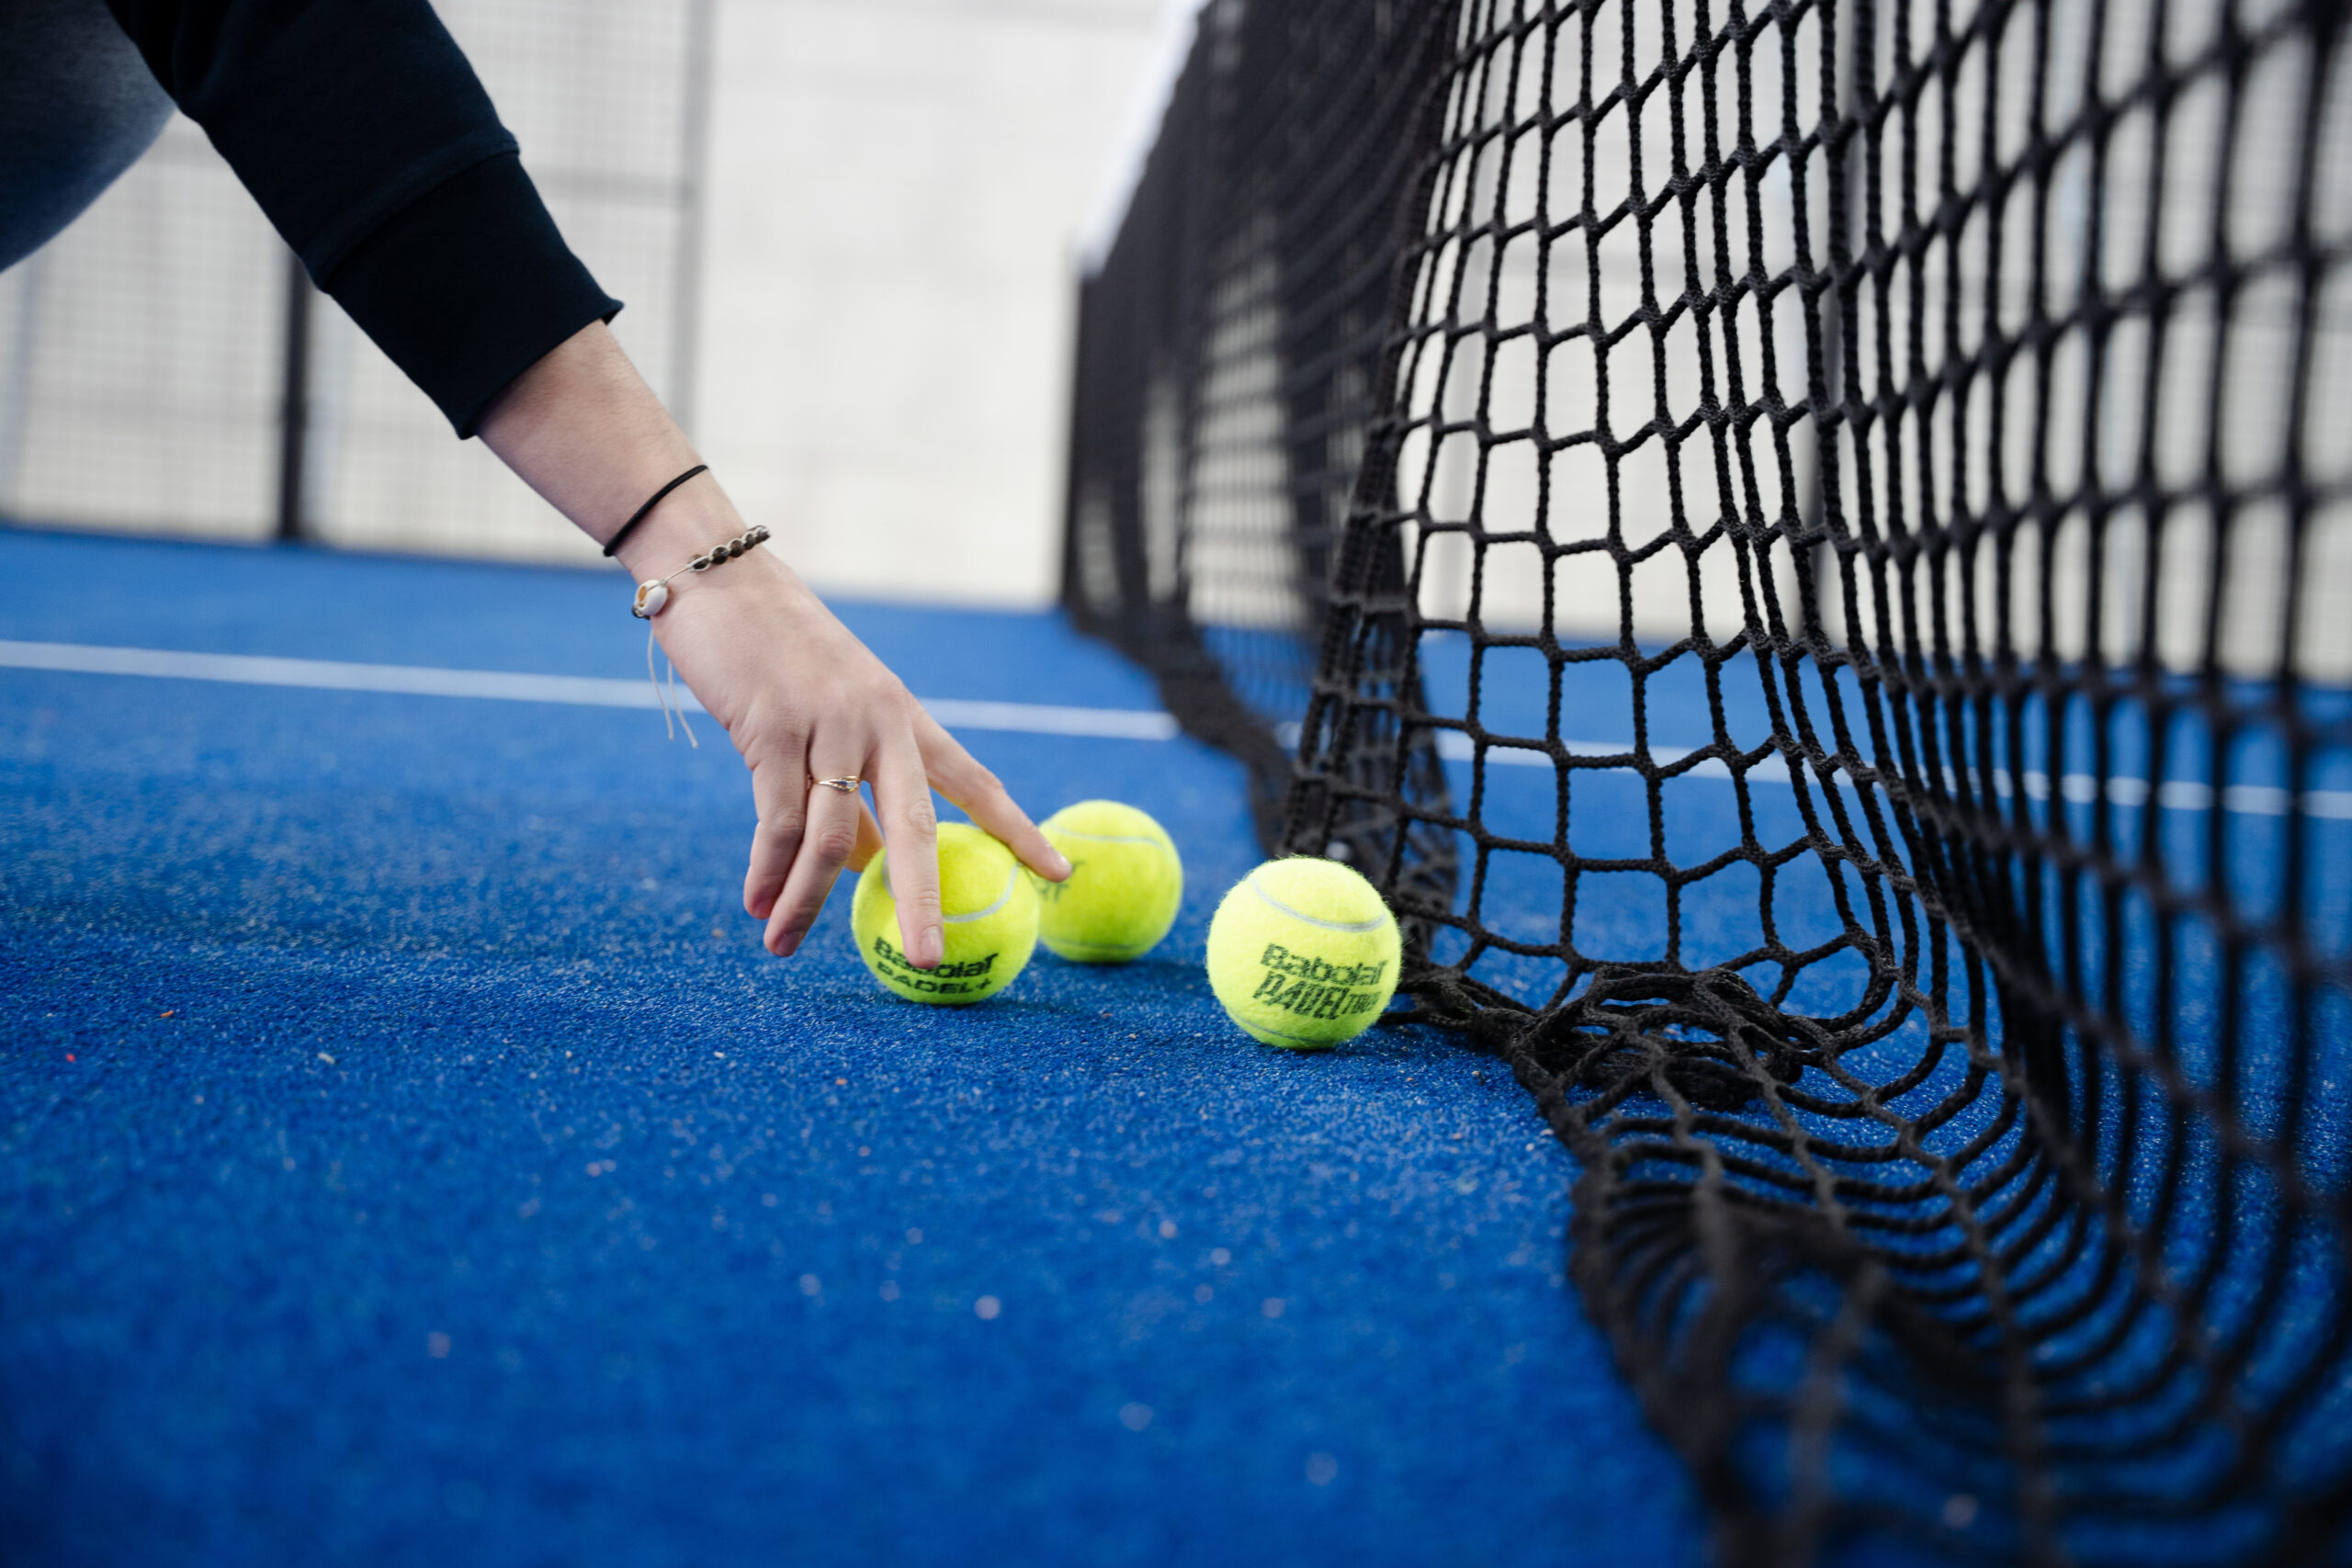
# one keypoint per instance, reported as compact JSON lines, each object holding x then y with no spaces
{"x":407,"y":1153}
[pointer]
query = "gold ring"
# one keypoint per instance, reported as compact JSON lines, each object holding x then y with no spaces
{"x":846,"y":785}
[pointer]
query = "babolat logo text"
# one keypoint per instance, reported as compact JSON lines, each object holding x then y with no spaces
{"x":947,"y":980}
{"x":1312,"y":987}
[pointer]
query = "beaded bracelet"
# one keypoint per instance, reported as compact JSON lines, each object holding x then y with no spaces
{"x":654,"y":591}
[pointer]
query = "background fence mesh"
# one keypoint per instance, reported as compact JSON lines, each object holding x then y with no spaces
{"x":143,"y":352}
{"x":1808,"y":547}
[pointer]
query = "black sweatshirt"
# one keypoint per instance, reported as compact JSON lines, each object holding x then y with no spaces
{"x":369,"y":142}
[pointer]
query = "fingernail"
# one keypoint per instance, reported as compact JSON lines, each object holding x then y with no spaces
{"x":787,"y":944}
{"x":1059,"y":863}
{"x":934,"y":949}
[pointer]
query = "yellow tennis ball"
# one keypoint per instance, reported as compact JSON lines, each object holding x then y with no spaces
{"x":1303,"y":954}
{"x":991,"y":922}
{"x":1123,"y":885}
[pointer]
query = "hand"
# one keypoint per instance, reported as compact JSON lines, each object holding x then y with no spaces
{"x":801,"y":698}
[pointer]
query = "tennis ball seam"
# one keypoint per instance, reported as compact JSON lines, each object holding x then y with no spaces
{"x":1011,"y":878}
{"x":1371,"y":925}
{"x":1114,"y":837}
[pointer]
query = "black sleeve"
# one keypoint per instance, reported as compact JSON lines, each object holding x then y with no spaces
{"x":369,"y":142}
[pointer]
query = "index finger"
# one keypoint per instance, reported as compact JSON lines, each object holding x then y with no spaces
{"x":983,"y":798}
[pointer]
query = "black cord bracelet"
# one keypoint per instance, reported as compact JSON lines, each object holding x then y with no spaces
{"x":639,"y":515}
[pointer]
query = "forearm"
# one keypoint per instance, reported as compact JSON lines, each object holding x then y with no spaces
{"x":582,"y":429}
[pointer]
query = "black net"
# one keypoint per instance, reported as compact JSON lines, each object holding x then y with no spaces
{"x":1808,"y":547}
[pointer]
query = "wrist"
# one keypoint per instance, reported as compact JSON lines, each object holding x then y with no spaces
{"x":689,"y":521}
{"x":582,"y":429}
{"x":753,"y":575}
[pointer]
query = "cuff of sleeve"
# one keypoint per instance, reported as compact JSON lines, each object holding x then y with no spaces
{"x":468,"y":286}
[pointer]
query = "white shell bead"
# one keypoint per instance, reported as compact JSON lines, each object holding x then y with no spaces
{"x":650,"y":597}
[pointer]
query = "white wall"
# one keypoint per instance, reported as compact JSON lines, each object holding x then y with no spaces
{"x":896,"y":190}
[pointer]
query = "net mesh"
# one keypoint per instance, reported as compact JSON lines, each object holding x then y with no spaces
{"x":1807,"y":549}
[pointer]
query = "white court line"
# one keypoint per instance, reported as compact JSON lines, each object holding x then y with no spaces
{"x":577,"y":691}
{"x":1021,"y":718}
{"x":2081,"y":789}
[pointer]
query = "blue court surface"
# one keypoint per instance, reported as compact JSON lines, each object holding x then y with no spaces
{"x":408,"y":1154}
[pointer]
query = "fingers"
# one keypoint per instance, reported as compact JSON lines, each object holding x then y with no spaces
{"x":807,"y":835}
{"x":911,"y":828}
{"x":779,"y":792}
{"x":828,"y":841}
{"x":982,"y":798}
